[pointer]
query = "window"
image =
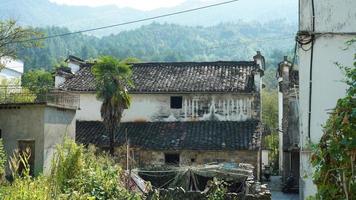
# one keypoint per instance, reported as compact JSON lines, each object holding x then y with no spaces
{"x":171,"y":158}
{"x":0,"y":134}
{"x":23,"y":146}
{"x":176,"y":102}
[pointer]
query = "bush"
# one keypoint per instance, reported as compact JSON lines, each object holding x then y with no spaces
{"x":2,"y":159}
{"x":334,"y":158}
{"x":77,"y":173}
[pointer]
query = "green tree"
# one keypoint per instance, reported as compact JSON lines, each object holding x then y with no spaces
{"x":10,"y":35}
{"x":37,"y":81}
{"x":270,"y":120}
{"x":112,"y":76}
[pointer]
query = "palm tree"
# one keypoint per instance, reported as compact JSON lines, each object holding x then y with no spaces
{"x":111,"y":77}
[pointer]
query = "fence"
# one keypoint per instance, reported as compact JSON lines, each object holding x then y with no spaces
{"x":16,"y":94}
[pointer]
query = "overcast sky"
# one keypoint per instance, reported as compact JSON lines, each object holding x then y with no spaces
{"x":136,"y":4}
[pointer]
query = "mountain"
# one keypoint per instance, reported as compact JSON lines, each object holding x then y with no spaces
{"x":169,"y":42}
{"x":41,"y":13}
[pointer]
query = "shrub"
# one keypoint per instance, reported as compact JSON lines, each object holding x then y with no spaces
{"x":77,"y":173}
{"x":334,"y":158}
{"x":217,"y":190}
{"x":2,"y":159}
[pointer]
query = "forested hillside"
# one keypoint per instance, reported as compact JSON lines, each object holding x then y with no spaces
{"x":168,"y":42}
{"x":41,"y":13}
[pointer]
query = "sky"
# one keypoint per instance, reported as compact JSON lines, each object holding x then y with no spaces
{"x":135,"y":4}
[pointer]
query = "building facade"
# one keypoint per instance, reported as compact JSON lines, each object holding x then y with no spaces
{"x":39,"y":124}
{"x":181,"y":112}
{"x":11,"y":71}
{"x":288,"y":98}
{"x":324,"y":28}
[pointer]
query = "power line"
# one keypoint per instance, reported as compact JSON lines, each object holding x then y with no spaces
{"x":126,"y":23}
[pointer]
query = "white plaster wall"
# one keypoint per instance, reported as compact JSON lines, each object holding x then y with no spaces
{"x":265,"y":160}
{"x":330,"y":16}
{"x":10,"y":74}
{"x":23,"y":123}
{"x":280,"y":133}
{"x":156,"y":107}
{"x":59,"y":123}
{"x":89,"y":108}
{"x":58,"y":80}
{"x":74,"y":67}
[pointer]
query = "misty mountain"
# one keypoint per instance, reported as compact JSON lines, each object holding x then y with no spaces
{"x":41,"y":13}
{"x":168,"y":42}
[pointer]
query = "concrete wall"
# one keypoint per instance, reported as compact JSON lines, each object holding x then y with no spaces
{"x":46,"y":125}
{"x":23,"y":123}
{"x":59,"y":123}
{"x":330,"y":16}
{"x":156,"y":107}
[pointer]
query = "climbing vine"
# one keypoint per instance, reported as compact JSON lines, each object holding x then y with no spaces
{"x":334,"y":158}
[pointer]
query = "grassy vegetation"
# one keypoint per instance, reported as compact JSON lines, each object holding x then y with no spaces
{"x":77,"y":173}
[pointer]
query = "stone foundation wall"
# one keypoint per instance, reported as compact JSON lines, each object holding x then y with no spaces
{"x":157,"y":158}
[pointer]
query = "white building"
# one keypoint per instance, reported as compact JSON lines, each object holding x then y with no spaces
{"x":12,"y":69}
{"x":324,"y":28}
{"x":186,"y":112}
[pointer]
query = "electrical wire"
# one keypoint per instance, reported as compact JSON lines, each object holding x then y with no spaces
{"x":126,"y":23}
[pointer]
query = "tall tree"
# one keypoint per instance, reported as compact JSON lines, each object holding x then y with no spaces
{"x":38,"y":81}
{"x":112,"y":76}
{"x":13,"y":36}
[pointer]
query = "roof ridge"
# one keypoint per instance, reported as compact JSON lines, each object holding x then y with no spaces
{"x":196,"y":63}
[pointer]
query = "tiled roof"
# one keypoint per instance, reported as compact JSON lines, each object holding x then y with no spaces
{"x":203,"y":135}
{"x":230,"y":76}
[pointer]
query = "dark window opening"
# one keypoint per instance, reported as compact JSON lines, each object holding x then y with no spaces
{"x":0,"y":134}
{"x":192,"y":160}
{"x":171,"y":158}
{"x":176,"y":102}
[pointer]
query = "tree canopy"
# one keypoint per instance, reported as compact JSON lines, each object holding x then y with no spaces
{"x":111,"y":77}
{"x":13,"y":37}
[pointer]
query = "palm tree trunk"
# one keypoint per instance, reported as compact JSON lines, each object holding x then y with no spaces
{"x":112,"y":141}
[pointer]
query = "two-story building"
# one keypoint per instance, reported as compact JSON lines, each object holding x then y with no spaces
{"x":185,"y":113}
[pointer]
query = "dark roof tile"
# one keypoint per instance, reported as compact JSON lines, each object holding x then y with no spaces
{"x":203,"y":135}
{"x":218,"y":76}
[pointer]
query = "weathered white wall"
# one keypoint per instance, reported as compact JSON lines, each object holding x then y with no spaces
{"x":10,"y":74}
{"x":89,"y":108}
{"x":74,"y":67}
{"x":58,"y":80}
{"x":265,"y":159}
{"x":23,"y":123}
{"x":58,"y":124}
{"x":330,"y":16}
{"x":156,"y":107}
{"x":280,"y":133}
